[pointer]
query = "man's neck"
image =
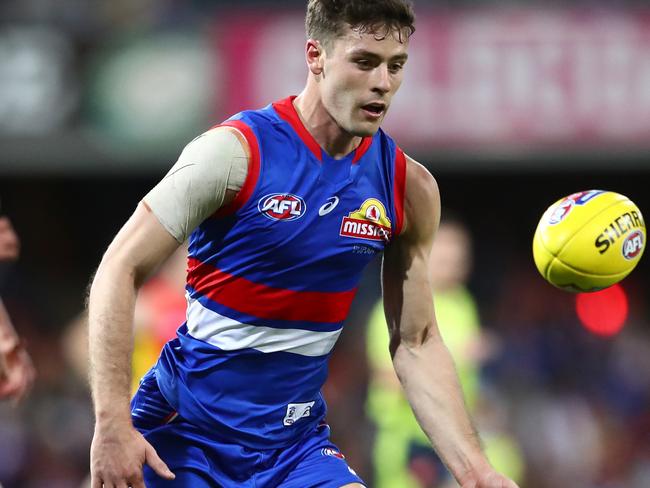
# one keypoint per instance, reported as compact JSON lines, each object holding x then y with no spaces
{"x":335,"y":141}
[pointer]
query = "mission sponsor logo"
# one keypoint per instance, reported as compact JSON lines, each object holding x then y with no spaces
{"x":282,"y":206}
{"x":369,"y":222}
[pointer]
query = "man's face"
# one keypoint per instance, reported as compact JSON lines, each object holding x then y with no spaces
{"x":361,"y":73}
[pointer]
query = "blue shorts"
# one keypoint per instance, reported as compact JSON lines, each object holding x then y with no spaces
{"x":201,"y":459}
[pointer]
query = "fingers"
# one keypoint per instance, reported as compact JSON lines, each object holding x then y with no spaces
{"x":3,"y":368}
{"x":507,"y":483}
{"x":28,"y":375}
{"x":137,"y":483}
{"x":117,"y":457}
{"x":9,"y":243}
{"x":496,"y":481}
{"x":18,"y":377}
{"x":96,"y":482}
{"x":9,"y":384}
{"x":21,"y":393}
{"x":157,"y":464}
{"x":22,"y":388}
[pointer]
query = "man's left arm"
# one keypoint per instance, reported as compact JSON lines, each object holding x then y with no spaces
{"x":421,"y":359}
{"x":16,"y":369}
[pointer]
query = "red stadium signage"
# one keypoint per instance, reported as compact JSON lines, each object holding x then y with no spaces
{"x":501,"y":78}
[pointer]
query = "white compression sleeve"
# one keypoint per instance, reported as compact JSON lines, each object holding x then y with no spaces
{"x":195,"y":187}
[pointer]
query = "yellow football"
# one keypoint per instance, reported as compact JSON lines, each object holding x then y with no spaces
{"x":589,"y":240}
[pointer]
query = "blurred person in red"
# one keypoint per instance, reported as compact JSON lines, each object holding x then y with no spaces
{"x":159,"y":309}
{"x":16,"y":370}
{"x":284,"y":207}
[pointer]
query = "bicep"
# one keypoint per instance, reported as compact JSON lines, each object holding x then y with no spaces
{"x":211,"y":169}
{"x":408,"y":296}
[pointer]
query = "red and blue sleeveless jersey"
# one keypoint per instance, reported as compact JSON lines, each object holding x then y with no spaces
{"x":271,"y":278}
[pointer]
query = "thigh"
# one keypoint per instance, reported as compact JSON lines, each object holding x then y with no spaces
{"x":320,"y":465}
{"x":185,"y":478}
{"x":202,"y":461}
{"x":185,"y":456}
{"x":198,"y":458}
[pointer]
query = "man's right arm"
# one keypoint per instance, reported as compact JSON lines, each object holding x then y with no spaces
{"x":148,"y":238}
{"x":118,"y":452}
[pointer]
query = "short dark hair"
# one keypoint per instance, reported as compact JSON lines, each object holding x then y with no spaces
{"x":327,"y":19}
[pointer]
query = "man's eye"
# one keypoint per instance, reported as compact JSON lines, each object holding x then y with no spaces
{"x":363,"y":63}
{"x":396,"y":67}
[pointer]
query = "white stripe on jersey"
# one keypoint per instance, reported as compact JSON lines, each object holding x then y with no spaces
{"x":230,"y":335}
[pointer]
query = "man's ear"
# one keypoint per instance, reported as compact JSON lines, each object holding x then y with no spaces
{"x":314,"y":54}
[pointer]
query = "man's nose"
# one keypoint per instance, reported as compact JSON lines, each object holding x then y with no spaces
{"x":381,"y":79}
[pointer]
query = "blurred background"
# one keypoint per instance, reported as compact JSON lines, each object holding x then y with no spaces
{"x":511,"y":105}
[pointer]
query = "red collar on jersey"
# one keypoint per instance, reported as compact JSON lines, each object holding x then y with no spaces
{"x":287,"y":112}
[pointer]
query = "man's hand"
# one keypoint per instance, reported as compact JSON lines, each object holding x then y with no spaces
{"x":16,"y":371}
{"x":117,"y":456}
{"x":9,"y":242}
{"x":488,"y":478}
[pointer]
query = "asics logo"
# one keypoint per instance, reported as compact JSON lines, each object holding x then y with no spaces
{"x":327,"y":207}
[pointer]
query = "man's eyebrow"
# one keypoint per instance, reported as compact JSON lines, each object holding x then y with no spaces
{"x":370,"y":54}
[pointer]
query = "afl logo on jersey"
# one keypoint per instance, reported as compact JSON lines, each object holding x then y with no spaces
{"x":369,"y":222}
{"x":282,"y":206}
